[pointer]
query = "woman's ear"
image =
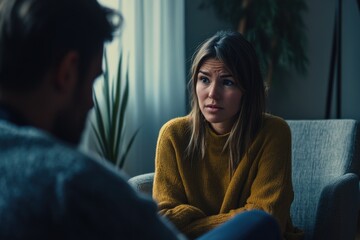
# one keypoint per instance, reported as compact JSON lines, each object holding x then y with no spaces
{"x":67,"y":73}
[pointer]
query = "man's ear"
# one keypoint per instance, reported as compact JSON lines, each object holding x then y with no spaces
{"x":67,"y":73}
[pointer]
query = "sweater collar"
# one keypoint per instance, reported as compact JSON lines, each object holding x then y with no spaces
{"x":214,"y":134}
{"x":215,"y":140}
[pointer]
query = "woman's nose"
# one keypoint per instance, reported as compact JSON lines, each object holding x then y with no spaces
{"x":214,"y":92}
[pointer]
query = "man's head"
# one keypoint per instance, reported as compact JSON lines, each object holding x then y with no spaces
{"x":53,"y":47}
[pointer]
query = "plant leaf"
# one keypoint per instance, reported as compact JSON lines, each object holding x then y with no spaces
{"x":100,"y":125}
{"x":107,"y":96}
{"x":102,"y":149}
{"x":123,"y":157}
{"x":110,"y":116}
{"x":117,"y":121}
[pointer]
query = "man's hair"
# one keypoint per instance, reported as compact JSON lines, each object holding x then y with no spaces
{"x":239,"y":57}
{"x":36,"y":34}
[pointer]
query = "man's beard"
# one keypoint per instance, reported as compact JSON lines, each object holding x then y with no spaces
{"x":69,"y":125}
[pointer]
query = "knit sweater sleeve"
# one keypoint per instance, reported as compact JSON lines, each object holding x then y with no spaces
{"x":168,"y":190}
{"x":271,"y":187}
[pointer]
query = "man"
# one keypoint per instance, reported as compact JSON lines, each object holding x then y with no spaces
{"x":50,"y":55}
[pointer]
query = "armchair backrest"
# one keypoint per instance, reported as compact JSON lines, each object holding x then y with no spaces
{"x":322,"y":151}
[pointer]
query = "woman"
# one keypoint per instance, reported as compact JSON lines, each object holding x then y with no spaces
{"x":227,"y":156}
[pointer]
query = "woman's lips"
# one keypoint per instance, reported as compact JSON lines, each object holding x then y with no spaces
{"x":213,"y":108}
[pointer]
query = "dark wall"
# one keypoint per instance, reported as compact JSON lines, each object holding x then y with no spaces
{"x":293,"y":96}
{"x":199,"y":25}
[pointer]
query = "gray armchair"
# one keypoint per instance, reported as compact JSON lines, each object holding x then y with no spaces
{"x":325,"y":167}
{"x":325,"y":174}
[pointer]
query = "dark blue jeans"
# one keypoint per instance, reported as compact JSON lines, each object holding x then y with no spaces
{"x":250,"y":225}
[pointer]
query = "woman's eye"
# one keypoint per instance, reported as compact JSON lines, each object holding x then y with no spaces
{"x":228,"y":82}
{"x":204,"y":79}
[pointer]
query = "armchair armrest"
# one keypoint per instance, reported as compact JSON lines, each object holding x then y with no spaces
{"x":143,"y":183}
{"x":337,"y":210}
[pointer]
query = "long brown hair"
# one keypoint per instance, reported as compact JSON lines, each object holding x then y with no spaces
{"x":239,"y":56}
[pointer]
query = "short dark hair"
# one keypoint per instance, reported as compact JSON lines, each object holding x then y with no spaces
{"x":36,"y":34}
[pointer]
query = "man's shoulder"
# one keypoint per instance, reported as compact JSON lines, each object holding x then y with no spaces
{"x":27,"y":154}
{"x":34,"y":149}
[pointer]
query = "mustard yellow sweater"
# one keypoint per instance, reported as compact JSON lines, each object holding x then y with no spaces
{"x":199,"y":195}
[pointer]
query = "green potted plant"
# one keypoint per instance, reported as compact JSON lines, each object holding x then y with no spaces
{"x":109,"y":122}
{"x":275,"y":28}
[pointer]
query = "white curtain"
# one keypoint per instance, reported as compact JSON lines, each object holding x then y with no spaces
{"x":153,"y":39}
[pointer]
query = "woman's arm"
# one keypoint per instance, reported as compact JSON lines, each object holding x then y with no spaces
{"x":168,"y":189}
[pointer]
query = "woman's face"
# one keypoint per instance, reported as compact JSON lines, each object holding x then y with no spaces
{"x":218,"y":95}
